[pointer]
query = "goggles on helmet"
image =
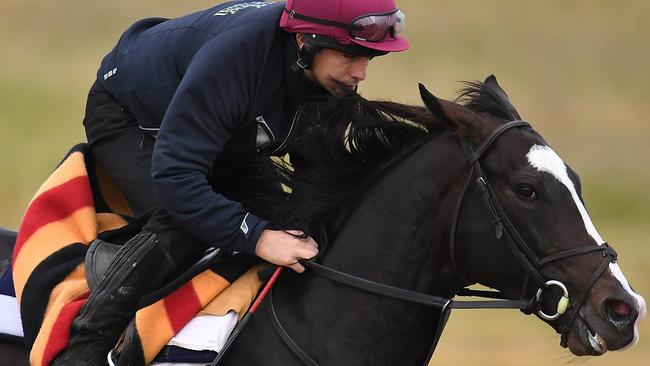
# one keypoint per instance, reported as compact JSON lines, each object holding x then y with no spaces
{"x":366,"y":28}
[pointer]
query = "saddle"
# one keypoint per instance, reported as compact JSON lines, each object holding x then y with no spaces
{"x":101,"y":254}
{"x":99,"y":257}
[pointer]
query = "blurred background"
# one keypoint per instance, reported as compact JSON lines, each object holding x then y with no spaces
{"x":578,"y":70}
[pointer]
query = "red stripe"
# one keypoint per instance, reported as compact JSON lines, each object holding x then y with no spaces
{"x":60,"y":333}
{"x":53,"y":205}
{"x":181,"y":306}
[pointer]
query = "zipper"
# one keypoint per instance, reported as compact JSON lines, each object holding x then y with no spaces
{"x":293,"y":123}
{"x":261,"y":123}
{"x":148,"y":129}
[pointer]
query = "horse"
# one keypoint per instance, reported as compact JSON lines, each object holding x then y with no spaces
{"x":412,"y":206}
{"x":481,"y":200}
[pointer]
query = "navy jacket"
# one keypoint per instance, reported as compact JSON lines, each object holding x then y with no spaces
{"x":213,"y":80}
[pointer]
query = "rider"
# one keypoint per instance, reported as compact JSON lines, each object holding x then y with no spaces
{"x":175,"y":95}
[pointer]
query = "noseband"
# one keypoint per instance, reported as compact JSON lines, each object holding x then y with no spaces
{"x":527,"y":258}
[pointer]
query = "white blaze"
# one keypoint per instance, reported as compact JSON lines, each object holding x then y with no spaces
{"x":544,"y":159}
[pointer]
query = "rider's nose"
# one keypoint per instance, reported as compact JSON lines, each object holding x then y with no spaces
{"x":359,"y":67}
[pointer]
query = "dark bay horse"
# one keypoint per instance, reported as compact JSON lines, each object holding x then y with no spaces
{"x":395,"y":227}
{"x":430,"y":201}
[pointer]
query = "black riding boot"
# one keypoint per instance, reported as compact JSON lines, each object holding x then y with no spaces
{"x":141,"y":266}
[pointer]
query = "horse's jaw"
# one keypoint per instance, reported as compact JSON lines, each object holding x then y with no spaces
{"x":581,"y":341}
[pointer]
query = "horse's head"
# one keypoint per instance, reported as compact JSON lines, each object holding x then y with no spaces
{"x":532,"y":227}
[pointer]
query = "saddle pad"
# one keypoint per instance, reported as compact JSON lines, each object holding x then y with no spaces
{"x":198,"y":342}
{"x":75,"y":205}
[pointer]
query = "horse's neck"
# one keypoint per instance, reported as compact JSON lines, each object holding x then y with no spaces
{"x":397,"y":236}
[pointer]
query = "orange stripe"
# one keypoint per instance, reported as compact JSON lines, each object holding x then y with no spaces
{"x":208,"y":285}
{"x":238,"y":296}
{"x":112,"y":196}
{"x":79,"y":227}
{"x":154,"y":329}
{"x":109,"y":221}
{"x":73,"y":287}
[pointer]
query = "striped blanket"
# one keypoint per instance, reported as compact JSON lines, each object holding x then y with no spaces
{"x":75,"y":205}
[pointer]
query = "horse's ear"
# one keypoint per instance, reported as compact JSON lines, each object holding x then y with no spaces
{"x":434,"y":106}
{"x":466,"y":123}
{"x":492,"y":84}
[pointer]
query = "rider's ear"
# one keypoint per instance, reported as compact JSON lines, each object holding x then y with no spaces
{"x":463,"y":121}
{"x":492,"y":84}
{"x":300,"y":40}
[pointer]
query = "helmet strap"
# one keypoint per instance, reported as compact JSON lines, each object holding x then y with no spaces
{"x":307,"y":54}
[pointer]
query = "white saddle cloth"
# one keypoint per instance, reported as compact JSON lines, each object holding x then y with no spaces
{"x":206,"y":332}
{"x":10,"y":323}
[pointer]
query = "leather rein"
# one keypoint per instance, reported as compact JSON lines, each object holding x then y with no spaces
{"x":531,"y":263}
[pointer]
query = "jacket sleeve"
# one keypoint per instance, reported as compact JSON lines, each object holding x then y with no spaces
{"x":212,"y":99}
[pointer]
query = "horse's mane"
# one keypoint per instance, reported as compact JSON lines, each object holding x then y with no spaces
{"x":337,"y":145}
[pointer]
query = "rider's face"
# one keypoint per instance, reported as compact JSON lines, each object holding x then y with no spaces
{"x":337,"y":72}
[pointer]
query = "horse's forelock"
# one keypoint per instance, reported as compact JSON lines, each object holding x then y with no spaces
{"x":485,"y":98}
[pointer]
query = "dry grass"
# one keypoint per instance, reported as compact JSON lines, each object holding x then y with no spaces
{"x":578,"y":70}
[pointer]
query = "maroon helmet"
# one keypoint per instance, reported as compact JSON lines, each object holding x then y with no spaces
{"x":347,"y":25}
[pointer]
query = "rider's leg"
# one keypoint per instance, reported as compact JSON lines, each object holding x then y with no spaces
{"x":121,"y":147}
{"x":146,"y":261}
{"x":142,"y":265}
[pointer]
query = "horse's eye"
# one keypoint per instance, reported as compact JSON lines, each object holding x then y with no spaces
{"x":526,"y":192}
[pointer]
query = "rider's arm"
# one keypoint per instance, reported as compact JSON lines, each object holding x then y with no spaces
{"x":211,"y":101}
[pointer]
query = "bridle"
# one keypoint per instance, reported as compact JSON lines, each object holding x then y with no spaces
{"x":527,"y":258}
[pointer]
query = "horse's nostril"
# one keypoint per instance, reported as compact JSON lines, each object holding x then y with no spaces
{"x":620,"y":308}
{"x":619,"y":312}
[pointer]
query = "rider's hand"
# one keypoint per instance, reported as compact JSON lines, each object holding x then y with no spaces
{"x":285,"y":248}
